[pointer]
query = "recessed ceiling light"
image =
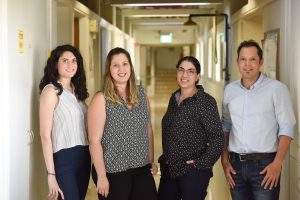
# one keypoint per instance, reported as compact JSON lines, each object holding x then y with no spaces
{"x":165,"y":4}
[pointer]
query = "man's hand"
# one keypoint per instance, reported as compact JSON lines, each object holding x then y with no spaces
{"x":272,"y":172}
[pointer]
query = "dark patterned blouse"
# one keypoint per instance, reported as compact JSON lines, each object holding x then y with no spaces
{"x":191,"y":131}
{"x":125,"y":137}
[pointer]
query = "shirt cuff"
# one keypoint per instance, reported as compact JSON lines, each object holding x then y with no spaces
{"x":286,"y":130}
{"x":226,"y":126}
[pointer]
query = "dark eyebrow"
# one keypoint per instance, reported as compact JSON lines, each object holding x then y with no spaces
{"x":191,"y":69}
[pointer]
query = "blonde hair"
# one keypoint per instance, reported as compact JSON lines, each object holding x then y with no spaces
{"x":109,"y":89}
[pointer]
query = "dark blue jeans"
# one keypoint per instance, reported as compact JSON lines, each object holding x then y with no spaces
{"x":247,"y":180}
{"x":72,"y":168}
{"x":191,"y":186}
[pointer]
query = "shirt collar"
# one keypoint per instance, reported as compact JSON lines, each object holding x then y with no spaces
{"x":200,"y":90}
{"x":256,"y":84}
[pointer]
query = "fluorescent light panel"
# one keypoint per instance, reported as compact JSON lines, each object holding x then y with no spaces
{"x":166,"y":4}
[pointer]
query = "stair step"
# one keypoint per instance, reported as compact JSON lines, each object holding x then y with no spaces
{"x":164,"y":85}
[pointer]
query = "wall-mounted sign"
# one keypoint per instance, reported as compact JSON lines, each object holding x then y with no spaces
{"x":166,"y":38}
{"x":20,"y":42}
{"x":271,"y":47}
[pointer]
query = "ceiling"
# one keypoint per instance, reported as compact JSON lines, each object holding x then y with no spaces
{"x":159,"y":15}
{"x":162,"y":16}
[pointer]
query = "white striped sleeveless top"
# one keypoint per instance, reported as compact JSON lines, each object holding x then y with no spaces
{"x":69,"y":122}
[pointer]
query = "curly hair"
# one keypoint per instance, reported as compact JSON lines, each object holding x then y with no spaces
{"x":109,"y":88}
{"x":51,"y":72}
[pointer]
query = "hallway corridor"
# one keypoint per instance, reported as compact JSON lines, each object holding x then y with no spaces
{"x":30,"y":29}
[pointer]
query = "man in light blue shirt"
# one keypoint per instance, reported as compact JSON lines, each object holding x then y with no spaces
{"x":258,"y":123}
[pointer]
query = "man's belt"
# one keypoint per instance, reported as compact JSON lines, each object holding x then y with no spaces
{"x":251,"y":156}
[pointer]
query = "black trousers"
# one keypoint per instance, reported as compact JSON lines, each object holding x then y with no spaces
{"x":133,"y":184}
{"x":72,"y":168}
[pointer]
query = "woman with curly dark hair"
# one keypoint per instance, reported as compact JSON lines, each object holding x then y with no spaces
{"x":63,"y":124}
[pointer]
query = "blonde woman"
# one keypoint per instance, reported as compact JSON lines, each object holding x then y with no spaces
{"x":120,"y":134}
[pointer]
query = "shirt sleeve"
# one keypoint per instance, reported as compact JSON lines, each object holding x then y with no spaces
{"x":284,"y":111}
{"x":213,"y":128}
{"x":226,"y":120}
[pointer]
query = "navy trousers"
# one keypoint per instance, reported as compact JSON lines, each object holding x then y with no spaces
{"x":72,"y":168}
{"x":191,"y":186}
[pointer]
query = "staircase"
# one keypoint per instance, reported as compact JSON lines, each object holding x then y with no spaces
{"x":164,"y":85}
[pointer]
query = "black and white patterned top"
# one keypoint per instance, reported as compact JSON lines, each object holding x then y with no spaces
{"x":125,"y":138}
{"x":191,"y":131}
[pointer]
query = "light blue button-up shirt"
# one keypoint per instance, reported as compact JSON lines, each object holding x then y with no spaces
{"x":255,"y":118}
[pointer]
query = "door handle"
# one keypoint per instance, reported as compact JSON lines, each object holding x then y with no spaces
{"x":31,"y":137}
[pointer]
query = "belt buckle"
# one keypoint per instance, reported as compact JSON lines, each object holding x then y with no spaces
{"x":240,"y":157}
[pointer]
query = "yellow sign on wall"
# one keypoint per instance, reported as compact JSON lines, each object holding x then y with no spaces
{"x":20,"y":42}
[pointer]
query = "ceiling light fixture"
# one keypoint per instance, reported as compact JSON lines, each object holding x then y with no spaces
{"x":166,"y":4}
{"x":190,"y":22}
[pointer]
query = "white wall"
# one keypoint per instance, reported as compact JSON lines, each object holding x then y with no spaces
{"x":143,"y":65}
{"x":213,"y":85}
{"x":22,"y":72}
{"x":85,"y":47}
{"x":273,"y":14}
{"x":168,"y":56}
{"x":274,"y":17}
{"x":4,"y":114}
{"x":106,"y":42}
{"x":118,"y":38}
{"x":293,"y":57}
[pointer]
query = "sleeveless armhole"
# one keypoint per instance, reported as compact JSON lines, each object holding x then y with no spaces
{"x":100,"y":92}
{"x":53,"y":87}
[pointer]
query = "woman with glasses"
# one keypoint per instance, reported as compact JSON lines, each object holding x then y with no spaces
{"x":192,"y":137}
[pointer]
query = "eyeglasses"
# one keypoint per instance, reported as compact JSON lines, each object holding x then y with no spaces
{"x":189,"y":72}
